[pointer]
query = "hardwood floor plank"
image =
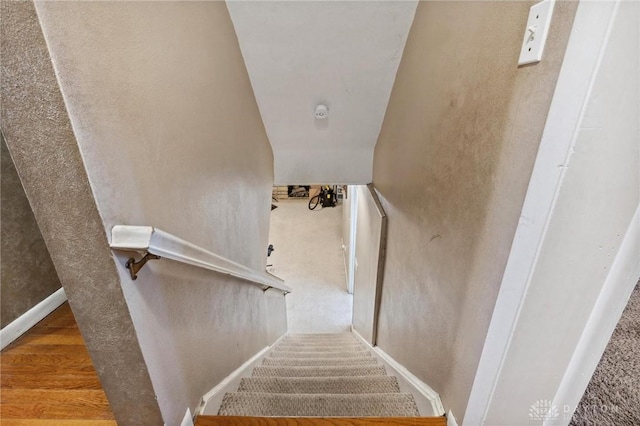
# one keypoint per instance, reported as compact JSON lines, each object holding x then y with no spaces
{"x":61,"y":317}
{"x":62,"y":368}
{"x":51,"y":339}
{"x":53,"y":396}
{"x":55,"y":331}
{"x":45,"y":328}
{"x":317,"y":421}
{"x":50,"y":381}
{"x":57,"y":422}
{"x":55,"y":411}
{"x":18,"y":348}
{"x":47,"y":378}
{"x":63,"y":322}
{"x":66,"y":359}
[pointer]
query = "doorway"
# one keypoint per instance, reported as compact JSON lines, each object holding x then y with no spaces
{"x":308,"y":255}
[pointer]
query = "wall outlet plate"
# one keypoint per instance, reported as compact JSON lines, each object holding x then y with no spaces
{"x":535,"y":34}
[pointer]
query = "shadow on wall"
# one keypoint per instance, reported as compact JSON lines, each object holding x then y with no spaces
{"x":28,"y":275}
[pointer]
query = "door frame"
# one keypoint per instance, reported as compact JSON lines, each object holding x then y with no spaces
{"x":589,"y":39}
{"x":353,"y":223}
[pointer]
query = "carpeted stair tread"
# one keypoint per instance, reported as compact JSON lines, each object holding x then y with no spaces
{"x":320,"y":349}
{"x":321,"y":335}
{"x":315,"y":346}
{"x":287,"y":342}
{"x":300,"y":348}
{"x":318,"y":362}
{"x":348,"y":338}
{"x":319,"y":405}
{"x":319,"y":341}
{"x":341,"y":354}
{"x":317,"y":385}
{"x":319,"y":375}
{"x":327,"y":335}
{"x":367,"y":370}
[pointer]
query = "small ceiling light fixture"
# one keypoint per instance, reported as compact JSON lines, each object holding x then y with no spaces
{"x":321,"y":112}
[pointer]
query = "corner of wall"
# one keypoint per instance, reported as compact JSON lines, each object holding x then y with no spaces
{"x":39,"y":134}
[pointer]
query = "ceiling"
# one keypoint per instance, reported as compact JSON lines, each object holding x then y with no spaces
{"x":343,"y":54}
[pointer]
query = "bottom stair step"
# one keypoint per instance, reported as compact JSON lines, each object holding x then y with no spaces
{"x":323,"y":405}
{"x":317,"y":421}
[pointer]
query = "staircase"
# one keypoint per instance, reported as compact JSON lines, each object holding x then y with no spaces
{"x":319,"y":375}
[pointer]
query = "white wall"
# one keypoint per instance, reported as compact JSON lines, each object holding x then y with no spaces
{"x":346,"y":231}
{"x":369,"y":235}
{"x":343,"y":54}
{"x":575,"y":232}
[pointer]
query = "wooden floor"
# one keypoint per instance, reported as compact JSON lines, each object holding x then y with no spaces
{"x":316,"y":421}
{"x":47,"y":378}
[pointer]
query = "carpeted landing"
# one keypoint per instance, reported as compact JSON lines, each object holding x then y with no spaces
{"x":613,"y":395}
{"x":319,"y":375}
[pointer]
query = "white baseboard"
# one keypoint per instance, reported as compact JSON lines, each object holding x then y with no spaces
{"x":30,"y":318}
{"x":417,"y":387}
{"x":188,"y":419}
{"x":211,"y":400}
{"x":345,"y":262}
{"x":451,"y":421}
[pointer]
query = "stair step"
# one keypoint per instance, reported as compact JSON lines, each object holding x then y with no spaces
{"x":351,"y":342}
{"x":317,"y":385}
{"x":320,"y":335}
{"x":321,"y":338}
{"x":321,"y":342}
{"x":319,"y":421}
{"x":361,"y":405}
{"x":341,"y":354}
{"x":367,"y":370}
{"x":318,"y":362}
{"x":301,"y":348}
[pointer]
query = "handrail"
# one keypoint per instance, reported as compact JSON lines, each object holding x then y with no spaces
{"x":155,"y":242}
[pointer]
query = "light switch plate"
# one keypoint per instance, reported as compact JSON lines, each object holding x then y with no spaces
{"x":535,"y":34}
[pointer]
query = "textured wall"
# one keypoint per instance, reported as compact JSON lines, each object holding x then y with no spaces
{"x":28,"y":275}
{"x":276,"y":315}
{"x":170,"y":133}
{"x":166,"y":132}
{"x":39,"y":135}
{"x":452,"y":165}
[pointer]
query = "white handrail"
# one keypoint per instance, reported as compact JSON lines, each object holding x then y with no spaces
{"x":152,"y":240}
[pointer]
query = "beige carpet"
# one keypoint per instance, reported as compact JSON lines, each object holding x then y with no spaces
{"x":613,"y":395}
{"x":308,"y":256}
{"x":319,"y":381}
